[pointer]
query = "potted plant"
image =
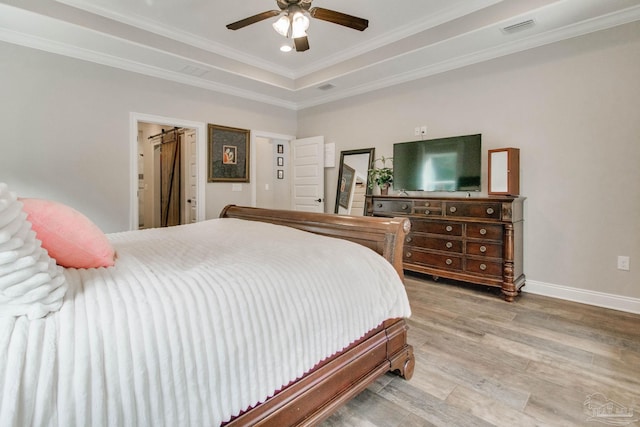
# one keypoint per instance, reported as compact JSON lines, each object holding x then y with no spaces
{"x":382,"y":177}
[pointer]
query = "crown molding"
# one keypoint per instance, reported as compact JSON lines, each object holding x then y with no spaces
{"x":447,"y":15}
{"x":181,"y":36}
{"x":143,"y":23}
{"x":604,"y":22}
{"x":65,"y":49}
{"x":613,"y":19}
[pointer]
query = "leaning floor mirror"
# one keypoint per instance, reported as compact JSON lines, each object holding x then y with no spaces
{"x":352,"y":181}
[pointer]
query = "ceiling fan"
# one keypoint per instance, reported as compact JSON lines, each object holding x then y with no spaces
{"x":294,"y":20}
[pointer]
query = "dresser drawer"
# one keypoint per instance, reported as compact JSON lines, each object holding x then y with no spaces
{"x":492,"y":250}
{"x":485,"y":231}
{"x":427,"y":211}
{"x":473,"y":210}
{"x":483,"y":267}
{"x":439,"y":244}
{"x":436,"y":227}
{"x":432,"y":204}
{"x":447,"y":262}
{"x":427,"y":207}
{"x":391,"y":206}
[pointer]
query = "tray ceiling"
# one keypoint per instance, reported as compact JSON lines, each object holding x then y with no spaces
{"x":188,"y":42}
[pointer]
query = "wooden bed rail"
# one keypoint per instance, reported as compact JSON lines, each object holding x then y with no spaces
{"x":383,"y":235}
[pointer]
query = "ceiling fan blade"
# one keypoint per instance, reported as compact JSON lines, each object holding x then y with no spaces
{"x":339,"y":18}
{"x":253,"y":19}
{"x":301,"y":43}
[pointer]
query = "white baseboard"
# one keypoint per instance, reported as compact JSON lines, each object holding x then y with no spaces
{"x":600,"y":299}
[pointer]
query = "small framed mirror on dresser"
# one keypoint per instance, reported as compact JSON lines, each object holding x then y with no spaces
{"x":504,"y":172}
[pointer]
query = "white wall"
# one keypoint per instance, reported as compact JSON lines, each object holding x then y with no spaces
{"x":65,"y":130}
{"x":573,"y":109}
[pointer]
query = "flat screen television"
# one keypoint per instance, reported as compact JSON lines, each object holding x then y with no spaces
{"x":444,"y":164}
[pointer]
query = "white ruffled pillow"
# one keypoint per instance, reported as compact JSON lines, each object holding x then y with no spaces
{"x":31,"y":283}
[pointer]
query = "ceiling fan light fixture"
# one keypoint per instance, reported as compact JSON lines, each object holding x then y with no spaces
{"x":299,"y":25}
{"x":282,"y":25}
{"x":294,"y":17}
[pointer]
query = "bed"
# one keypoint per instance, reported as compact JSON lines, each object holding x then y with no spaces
{"x":158,"y":339}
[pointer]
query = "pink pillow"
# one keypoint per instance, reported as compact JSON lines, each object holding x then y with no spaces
{"x":69,"y":236}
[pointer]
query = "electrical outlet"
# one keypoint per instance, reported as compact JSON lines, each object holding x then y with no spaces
{"x":416,"y":131}
{"x":423,"y":130}
{"x":623,"y":263}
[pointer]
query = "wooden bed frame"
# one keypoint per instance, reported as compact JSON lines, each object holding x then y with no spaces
{"x":315,"y":396}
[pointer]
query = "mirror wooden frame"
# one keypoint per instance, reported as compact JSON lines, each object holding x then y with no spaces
{"x":344,"y":173}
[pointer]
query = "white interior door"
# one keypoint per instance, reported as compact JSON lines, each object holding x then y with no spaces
{"x":307,"y":168}
{"x":190,"y":180}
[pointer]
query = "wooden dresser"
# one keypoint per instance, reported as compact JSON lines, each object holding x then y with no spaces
{"x":476,"y":240}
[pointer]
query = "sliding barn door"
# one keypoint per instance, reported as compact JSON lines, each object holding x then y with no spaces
{"x":170,"y":170}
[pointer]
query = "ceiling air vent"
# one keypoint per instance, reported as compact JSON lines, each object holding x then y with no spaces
{"x":194,"y":71}
{"x":509,"y":29}
{"x":326,"y":86}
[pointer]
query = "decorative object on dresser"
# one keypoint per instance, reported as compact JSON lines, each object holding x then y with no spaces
{"x":382,"y":177}
{"x":476,"y":240}
{"x":504,"y":172}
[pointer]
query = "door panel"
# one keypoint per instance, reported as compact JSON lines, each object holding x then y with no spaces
{"x":308,"y":174}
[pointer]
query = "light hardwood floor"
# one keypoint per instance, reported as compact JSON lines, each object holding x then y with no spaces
{"x":481,"y":361}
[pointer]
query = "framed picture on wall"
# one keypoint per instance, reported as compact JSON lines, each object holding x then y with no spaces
{"x":280,"y":161}
{"x":280,"y":174}
{"x":280,"y":148}
{"x":228,"y":157}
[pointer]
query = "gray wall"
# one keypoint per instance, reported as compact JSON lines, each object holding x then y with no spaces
{"x":573,"y":109}
{"x":65,"y":130}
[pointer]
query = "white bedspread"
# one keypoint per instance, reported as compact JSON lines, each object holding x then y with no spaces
{"x":191,"y":326}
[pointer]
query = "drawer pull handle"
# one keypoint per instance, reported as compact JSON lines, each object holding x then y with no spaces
{"x":449,"y":228}
{"x":452,"y":209}
{"x":483,"y":249}
{"x":448,"y":261}
{"x":409,"y":239}
{"x":449,"y":245}
{"x":405,"y":207}
{"x":490,"y":211}
{"x":408,"y":255}
{"x":483,"y":267}
{"x":379,"y":205}
{"x":483,"y":231}
{"x":427,"y":212}
{"x":426,"y":204}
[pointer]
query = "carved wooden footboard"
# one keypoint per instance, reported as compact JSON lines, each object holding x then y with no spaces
{"x":333,"y":382}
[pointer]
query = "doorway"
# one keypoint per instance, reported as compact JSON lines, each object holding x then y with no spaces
{"x":294,"y":178}
{"x":167,"y":177}
{"x":168,"y":171}
{"x":270,"y":175}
